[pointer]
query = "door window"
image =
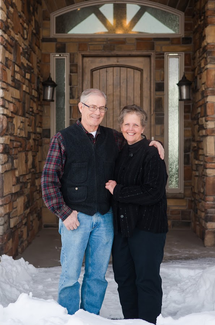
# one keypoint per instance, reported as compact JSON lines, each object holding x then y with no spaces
{"x":60,"y":106}
{"x":111,"y":18}
{"x":174,"y":123}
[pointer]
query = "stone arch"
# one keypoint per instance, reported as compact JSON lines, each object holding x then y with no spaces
{"x":50,"y":6}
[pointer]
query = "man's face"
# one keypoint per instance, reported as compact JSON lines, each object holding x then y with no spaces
{"x":91,"y":120}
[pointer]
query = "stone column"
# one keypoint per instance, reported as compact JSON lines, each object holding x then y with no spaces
{"x":20,"y":125}
{"x":203,"y":116}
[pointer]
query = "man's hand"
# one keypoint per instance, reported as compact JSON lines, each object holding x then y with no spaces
{"x":71,"y":222}
{"x":159,"y":147}
{"x":110,"y":185}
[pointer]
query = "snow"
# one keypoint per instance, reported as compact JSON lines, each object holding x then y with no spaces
{"x":28,"y":296}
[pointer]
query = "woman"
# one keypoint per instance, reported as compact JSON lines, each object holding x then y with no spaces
{"x":140,"y":219}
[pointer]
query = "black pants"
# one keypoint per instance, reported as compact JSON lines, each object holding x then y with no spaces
{"x":136,"y":265}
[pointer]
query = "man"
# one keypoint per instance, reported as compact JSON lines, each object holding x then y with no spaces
{"x":80,"y":161}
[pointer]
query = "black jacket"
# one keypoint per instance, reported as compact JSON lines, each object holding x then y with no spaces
{"x":139,"y":198}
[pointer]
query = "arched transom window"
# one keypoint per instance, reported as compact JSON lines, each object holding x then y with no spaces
{"x":117,"y":18}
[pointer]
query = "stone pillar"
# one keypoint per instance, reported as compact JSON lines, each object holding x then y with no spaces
{"x":20,"y":125}
{"x":203,"y":117}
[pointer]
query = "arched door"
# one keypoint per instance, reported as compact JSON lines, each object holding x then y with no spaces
{"x":124,"y":79}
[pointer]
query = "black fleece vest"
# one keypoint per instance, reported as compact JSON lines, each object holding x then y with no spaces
{"x":88,"y":167}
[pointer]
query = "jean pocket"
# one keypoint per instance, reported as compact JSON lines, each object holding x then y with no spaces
{"x":60,"y":226}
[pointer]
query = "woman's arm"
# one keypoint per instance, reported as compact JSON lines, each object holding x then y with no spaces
{"x":152,"y":186}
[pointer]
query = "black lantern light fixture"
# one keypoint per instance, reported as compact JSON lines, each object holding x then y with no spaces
{"x":184,"y":86}
{"x":48,"y":89}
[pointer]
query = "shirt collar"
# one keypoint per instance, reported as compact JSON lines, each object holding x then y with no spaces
{"x":78,"y":122}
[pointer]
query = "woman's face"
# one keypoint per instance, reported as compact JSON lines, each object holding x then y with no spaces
{"x":131,"y":128}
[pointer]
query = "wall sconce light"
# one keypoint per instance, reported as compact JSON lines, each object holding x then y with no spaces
{"x":48,"y":89}
{"x":184,"y":86}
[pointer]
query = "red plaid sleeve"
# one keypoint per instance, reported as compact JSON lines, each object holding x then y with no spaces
{"x":51,"y":175}
{"x":119,"y":139}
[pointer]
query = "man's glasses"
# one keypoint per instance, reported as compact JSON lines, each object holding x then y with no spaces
{"x":93,"y":108}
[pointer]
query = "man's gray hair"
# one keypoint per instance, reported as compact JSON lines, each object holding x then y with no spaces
{"x":91,"y":91}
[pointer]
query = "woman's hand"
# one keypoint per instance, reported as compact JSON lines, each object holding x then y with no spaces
{"x":159,"y":147}
{"x":110,"y":185}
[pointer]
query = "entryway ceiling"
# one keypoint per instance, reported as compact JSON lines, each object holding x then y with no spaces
{"x":53,"y":5}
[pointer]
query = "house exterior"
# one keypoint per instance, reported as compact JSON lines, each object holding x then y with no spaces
{"x":136,"y":52}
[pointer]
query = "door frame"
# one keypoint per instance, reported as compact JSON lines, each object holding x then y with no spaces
{"x":149,"y":54}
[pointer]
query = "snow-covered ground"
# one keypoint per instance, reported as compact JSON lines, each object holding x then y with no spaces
{"x":28,"y":296}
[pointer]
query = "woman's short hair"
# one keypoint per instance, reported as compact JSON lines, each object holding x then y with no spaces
{"x":133,"y":109}
{"x":91,"y":91}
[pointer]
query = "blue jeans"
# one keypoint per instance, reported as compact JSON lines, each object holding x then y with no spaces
{"x":93,"y":238}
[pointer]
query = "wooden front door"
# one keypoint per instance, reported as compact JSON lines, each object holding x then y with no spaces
{"x":124,"y":79}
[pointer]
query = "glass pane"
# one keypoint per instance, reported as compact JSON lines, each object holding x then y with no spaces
{"x":117,"y":18}
{"x":157,"y":21}
{"x":173,"y":124}
{"x":60,"y":94}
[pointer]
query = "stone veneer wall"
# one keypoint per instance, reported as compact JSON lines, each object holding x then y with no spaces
{"x":179,"y":208}
{"x":203,"y":122}
{"x":20,"y":124}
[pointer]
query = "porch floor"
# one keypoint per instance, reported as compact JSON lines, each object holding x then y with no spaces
{"x":181,"y":244}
